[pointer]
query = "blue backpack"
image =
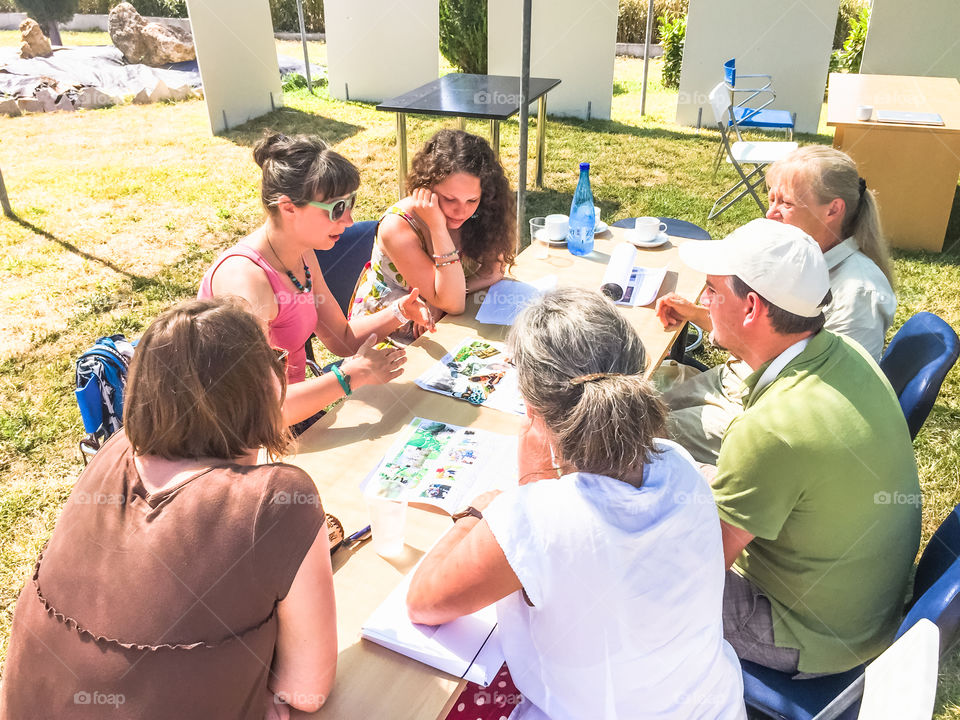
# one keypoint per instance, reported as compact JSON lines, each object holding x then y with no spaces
{"x":101,"y":377}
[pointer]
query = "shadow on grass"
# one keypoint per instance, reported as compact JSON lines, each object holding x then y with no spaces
{"x":291,"y":121}
{"x":70,"y":247}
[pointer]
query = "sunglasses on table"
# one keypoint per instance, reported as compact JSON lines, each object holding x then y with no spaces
{"x":337,"y":208}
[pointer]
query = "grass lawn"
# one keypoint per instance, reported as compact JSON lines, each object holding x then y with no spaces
{"x":120,"y":211}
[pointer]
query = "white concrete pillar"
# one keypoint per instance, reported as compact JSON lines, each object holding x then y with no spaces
{"x":790,"y":41}
{"x":377,"y":49}
{"x":237,"y":57}
{"x":569,"y":39}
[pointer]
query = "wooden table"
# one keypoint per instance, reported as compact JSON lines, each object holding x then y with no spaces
{"x":913,"y":168}
{"x":487,"y":97}
{"x":341,"y":449}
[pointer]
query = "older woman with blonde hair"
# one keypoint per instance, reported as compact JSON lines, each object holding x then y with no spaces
{"x":605,"y":563}
{"x":182,"y":577}
{"x":817,"y":189}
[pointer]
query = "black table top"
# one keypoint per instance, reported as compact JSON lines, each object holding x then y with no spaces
{"x":490,"y":97}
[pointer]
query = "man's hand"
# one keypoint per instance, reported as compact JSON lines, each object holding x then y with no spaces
{"x":673,"y":310}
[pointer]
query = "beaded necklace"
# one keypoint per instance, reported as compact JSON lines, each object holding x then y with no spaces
{"x":293,"y":278}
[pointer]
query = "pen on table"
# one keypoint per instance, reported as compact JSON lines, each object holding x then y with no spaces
{"x":358,"y":537}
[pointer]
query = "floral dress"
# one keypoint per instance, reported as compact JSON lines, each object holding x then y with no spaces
{"x":381,"y":282}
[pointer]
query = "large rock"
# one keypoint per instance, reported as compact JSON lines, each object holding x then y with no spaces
{"x":35,"y":43}
{"x":148,"y":43}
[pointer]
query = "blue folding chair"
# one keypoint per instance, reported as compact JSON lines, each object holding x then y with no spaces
{"x":342,"y":264}
{"x":758,"y":116}
{"x":916,"y":361}
{"x":341,"y":267}
{"x":936,"y":593}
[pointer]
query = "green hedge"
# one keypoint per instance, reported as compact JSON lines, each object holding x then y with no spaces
{"x":632,"y":21}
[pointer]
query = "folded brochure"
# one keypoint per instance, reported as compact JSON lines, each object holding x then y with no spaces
{"x":444,"y":465}
{"x":480,"y":373}
{"x":467,"y":647}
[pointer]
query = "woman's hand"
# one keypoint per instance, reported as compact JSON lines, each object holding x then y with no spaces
{"x":374,"y":366}
{"x":417,"y":311}
{"x":427,"y":207}
{"x":673,"y":310}
{"x":535,"y":459}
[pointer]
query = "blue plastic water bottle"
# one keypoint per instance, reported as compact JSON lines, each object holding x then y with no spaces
{"x":582,"y":215}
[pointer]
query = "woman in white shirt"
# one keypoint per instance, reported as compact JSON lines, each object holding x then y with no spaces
{"x":605,"y":563}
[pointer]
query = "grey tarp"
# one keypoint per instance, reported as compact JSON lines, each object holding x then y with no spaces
{"x":103,"y":67}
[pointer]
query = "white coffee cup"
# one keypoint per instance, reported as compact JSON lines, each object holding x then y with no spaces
{"x":864,"y":112}
{"x":557,"y":227}
{"x":647,"y":229}
{"x":388,"y":520}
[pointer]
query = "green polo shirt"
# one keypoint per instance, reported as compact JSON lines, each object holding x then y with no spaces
{"x":820,"y":469}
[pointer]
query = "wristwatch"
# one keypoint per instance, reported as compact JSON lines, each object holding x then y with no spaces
{"x":470,"y":511}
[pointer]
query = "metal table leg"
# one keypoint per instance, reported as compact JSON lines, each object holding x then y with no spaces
{"x":541,"y":137}
{"x":495,"y":137}
{"x":402,"y":148}
{"x":4,"y":202}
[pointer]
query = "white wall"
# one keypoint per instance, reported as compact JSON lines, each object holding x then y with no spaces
{"x":237,"y":57}
{"x":791,"y":41}
{"x":570,"y":39}
{"x":11,"y":21}
{"x":377,"y":49}
{"x":906,"y":38}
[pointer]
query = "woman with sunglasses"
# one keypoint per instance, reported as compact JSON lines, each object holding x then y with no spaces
{"x":182,"y":578}
{"x":455,"y":232}
{"x":308,"y":191}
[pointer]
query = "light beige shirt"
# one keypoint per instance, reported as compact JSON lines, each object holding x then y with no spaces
{"x":863,"y":302}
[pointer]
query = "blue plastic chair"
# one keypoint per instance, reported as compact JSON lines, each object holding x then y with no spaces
{"x":936,"y":592}
{"x":916,"y":361}
{"x":341,"y":267}
{"x":342,"y":264}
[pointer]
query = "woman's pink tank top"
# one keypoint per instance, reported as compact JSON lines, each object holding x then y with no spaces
{"x":296,"y":316}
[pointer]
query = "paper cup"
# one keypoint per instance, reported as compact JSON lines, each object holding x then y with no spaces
{"x":388,"y":520}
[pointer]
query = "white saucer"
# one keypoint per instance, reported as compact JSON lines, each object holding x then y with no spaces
{"x":659,"y":240}
{"x":600,"y":227}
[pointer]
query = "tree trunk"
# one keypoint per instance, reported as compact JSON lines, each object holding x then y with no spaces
{"x":53,"y":32}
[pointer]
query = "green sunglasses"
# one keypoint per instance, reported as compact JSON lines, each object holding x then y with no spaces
{"x":337,"y":208}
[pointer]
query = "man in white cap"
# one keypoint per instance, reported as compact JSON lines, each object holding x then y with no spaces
{"x":816,"y":482}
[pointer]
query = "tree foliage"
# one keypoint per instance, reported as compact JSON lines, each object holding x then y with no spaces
{"x":463,"y":34}
{"x":48,"y":11}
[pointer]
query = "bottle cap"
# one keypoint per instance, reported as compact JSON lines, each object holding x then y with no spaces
{"x":584,"y":166}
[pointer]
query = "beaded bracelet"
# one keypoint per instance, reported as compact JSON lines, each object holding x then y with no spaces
{"x":452,"y":253}
{"x":446,"y":262}
{"x":344,"y":382}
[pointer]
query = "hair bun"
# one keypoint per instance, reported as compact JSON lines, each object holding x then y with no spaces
{"x":268,"y":146}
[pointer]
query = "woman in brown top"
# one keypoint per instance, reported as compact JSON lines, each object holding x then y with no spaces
{"x":183,"y":580}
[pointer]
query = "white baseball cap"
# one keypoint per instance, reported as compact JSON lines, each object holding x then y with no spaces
{"x":781,"y":262}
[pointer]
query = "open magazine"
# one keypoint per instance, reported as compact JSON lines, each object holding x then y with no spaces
{"x":443,"y":465}
{"x":480,"y":373}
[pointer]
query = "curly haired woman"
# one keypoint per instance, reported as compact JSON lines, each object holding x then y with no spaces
{"x":455,"y":232}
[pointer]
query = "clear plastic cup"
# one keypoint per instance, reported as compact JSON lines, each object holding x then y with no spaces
{"x":388,"y":520}
{"x":539,"y":239}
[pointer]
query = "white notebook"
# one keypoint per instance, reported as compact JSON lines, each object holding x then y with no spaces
{"x":506,"y":298}
{"x":467,"y":647}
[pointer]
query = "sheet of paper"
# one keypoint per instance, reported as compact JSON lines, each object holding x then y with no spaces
{"x":480,"y":373}
{"x":505,"y":299}
{"x":643,"y":286}
{"x":444,"y":465}
{"x":467,"y":647}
